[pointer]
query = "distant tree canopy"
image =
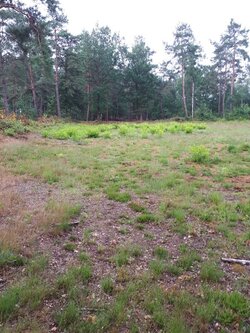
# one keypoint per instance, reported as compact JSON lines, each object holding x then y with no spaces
{"x":95,"y":76}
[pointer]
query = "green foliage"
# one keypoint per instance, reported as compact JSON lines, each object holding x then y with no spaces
{"x":69,"y":247}
{"x":114,"y":194}
{"x":157,"y":267}
{"x":200,"y":154}
{"x":137,"y":207}
{"x":29,"y":293}
{"x":146,"y":218}
{"x":8,"y":258}
{"x":79,"y":132}
{"x":161,"y":252}
{"x":68,"y":280}
{"x":210,"y":272}
{"x":124,"y":254}
{"x":68,"y":316}
{"x":12,"y":127}
{"x":107,"y":285}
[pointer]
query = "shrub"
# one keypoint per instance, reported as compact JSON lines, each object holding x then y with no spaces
{"x":93,"y":133}
{"x":200,"y":154}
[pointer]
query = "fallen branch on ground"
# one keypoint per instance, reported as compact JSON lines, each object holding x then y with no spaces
{"x":236,"y":261}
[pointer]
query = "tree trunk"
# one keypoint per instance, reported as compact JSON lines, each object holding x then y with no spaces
{"x":33,"y":88}
{"x":5,"y":96}
{"x":192,"y":99}
{"x":223,"y":104}
{"x":184,"y":92}
{"x":219,"y":100}
{"x":4,"y":87}
{"x":88,"y":106}
{"x":107,"y":112}
{"x":58,"y":105}
{"x":232,"y":80}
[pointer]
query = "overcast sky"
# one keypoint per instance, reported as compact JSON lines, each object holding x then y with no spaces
{"x":156,"y":20}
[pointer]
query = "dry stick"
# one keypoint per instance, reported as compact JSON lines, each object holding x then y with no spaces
{"x":236,"y":261}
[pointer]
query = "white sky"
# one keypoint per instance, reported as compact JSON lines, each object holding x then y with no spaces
{"x":156,"y":20}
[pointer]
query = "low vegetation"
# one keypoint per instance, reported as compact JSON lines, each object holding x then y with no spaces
{"x":122,"y":227}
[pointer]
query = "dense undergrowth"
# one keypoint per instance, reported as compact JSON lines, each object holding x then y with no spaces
{"x":142,"y":130}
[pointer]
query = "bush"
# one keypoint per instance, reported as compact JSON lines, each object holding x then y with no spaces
{"x":241,"y":112}
{"x":200,"y":154}
{"x":204,"y":113}
{"x":12,"y":127}
{"x":93,"y":133}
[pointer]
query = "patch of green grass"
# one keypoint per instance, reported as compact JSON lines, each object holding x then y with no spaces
{"x":211,"y":272}
{"x":157,"y":267}
{"x":114,"y":194}
{"x":121,"y":257}
{"x":187,"y":260}
{"x":178,"y":214}
{"x":28,"y":294}
{"x":215,"y":197}
{"x":84,"y":257}
{"x":137,"y":207}
{"x":232,"y":149}
{"x":123,"y":254}
{"x":68,"y":316}
{"x":37,"y":265}
{"x":174,"y":269}
{"x":8,"y":258}
{"x":161,"y":252}
{"x":87,"y":235}
{"x":230,"y":306}
{"x":107,"y":285}
{"x":74,"y":275}
{"x":146,"y":218}
{"x":69,"y":247}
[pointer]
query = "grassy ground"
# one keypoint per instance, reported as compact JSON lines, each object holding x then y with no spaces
{"x":122,"y":227}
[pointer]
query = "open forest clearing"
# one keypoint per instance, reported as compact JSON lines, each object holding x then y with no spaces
{"x":121,"y":227}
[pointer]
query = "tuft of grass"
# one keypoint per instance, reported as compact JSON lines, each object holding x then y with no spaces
{"x":157,"y":267}
{"x":69,"y":247}
{"x":210,"y":272}
{"x":123,"y":255}
{"x":215,"y":197}
{"x":187,"y":260}
{"x":146,"y":218}
{"x":68,"y":316}
{"x":174,"y":269}
{"x":137,"y":207}
{"x":114,"y":194}
{"x":27,"y":294}
{"x":84,"y":257}
{"x":74,"y":275}
{"x":107,"y":285}
{"x":161,"y":252}
{"x":8,"y":258}
{"x":37,"y":265}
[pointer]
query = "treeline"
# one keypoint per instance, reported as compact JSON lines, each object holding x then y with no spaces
{"x":95,"y":76}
